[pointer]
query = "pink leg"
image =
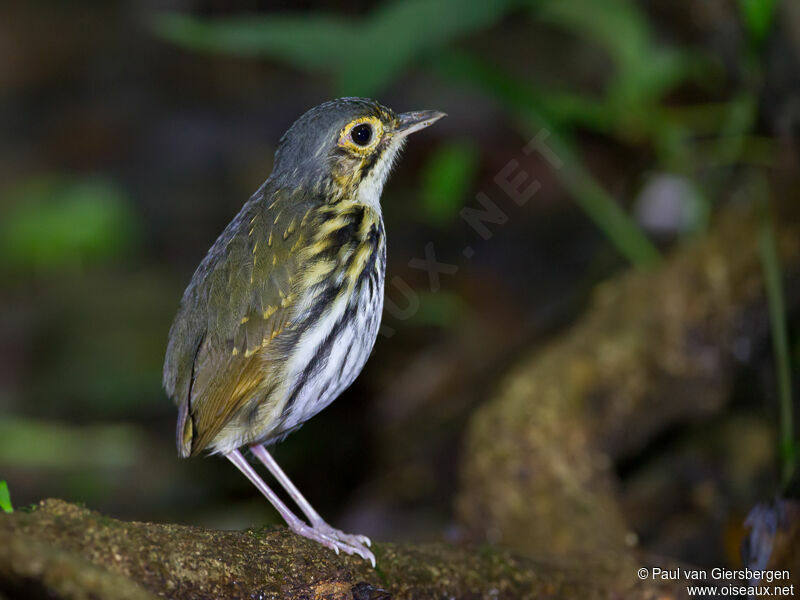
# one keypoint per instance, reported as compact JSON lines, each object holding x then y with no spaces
{"x":294,"y":523}
{"x":317,"y":522}
{"x":265,"y":457}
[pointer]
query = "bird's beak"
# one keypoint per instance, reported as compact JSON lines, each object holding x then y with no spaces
{"x":414,"y":121}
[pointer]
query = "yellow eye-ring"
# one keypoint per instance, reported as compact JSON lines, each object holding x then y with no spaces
{"x":361,"y":135}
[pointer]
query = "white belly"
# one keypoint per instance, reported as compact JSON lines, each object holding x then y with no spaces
{"x":346,"y":353}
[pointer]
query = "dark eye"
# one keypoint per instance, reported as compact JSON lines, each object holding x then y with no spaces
{"x":361,"y":134}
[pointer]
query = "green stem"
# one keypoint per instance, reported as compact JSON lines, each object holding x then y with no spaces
{"x":587,"y":192}
{"x":780,"y":342}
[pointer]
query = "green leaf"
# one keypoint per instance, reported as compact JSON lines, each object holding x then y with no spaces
{"x":618,"y":25}
{"x":644,"y":72}
{"x":401,"y":31}
{"x":758,"y":16}
{"x":446,"y":179}
{"x":364,"y":55}
{"x":309,"y":42}
{"x":52,"y":220}
{"x":5,"y":498}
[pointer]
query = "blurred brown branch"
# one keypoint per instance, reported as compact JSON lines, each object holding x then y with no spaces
{"x":654,"y":349}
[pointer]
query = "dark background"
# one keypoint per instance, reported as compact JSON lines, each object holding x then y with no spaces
{"x":131,"y":136}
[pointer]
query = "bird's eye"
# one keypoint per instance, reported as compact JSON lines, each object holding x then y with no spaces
{"x":362,"y":134}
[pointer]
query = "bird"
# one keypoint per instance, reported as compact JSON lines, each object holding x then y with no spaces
{"x":282,"y":313}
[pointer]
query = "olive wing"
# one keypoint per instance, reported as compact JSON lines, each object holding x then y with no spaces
{"x":240,"y":300}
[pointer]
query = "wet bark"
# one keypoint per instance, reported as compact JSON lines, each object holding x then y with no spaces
{"x":63,"y":551}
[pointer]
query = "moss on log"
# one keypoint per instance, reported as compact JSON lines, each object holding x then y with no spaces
{"x":63,"y":551}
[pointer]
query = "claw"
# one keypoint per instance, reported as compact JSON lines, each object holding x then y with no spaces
{"x":336,"y":540}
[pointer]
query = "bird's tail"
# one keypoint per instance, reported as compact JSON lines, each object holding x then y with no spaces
{"x":185,"y":431}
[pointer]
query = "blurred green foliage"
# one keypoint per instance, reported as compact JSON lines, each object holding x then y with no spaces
{"x":446,"y":180}
{"x":643,"y":71}
{"x":363,"y":56}
{"x":103,"y":343}
{"x":366,"y":56}
{"x":50,"y":221}
{"x":587,"y":192}
{"x":441,"y":309}
{"x":5,"y":498}
{"x":28,"y":443}
{"x":780,"y":339}
{"x":758,"y":16}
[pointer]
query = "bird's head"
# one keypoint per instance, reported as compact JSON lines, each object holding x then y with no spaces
{"x":346,"y":148}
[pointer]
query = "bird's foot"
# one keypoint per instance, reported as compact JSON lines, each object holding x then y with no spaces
{"x":336,"y":540}
{"x":354,"y":539}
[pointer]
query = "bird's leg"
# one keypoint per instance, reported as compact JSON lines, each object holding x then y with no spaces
{"x":295,"y":523}
{"x":317,"y":522}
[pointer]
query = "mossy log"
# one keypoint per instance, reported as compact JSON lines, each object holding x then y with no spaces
{"x":62,"y":551}
{"x":654,"y":348}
